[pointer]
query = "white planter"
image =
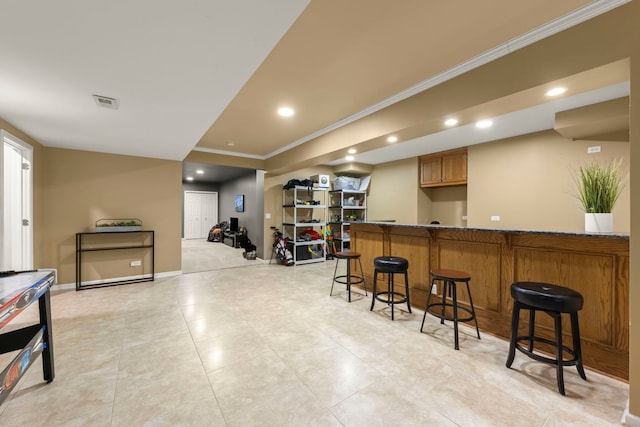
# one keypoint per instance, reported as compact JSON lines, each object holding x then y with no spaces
{"x":598,"y":222}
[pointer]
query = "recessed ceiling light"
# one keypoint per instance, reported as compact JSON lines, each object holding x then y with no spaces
{"x":189,"y":178}
{"x":349,"y":158}
{"x":556,"y":91}
{"x":352,"y":151}
{"x":286,"y":111}
{"x":484,"y":124}
{"x":392,"y":139}
{"x":451,"y":122}
{"x":199,"y":171}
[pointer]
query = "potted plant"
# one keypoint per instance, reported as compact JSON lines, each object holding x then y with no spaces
{"x":599,"y":186}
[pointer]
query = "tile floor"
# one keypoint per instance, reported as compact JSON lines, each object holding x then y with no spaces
{"x":200,"y":255}
{"x":265,"y":345}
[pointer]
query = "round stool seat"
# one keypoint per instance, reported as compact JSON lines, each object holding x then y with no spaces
{"x":446,"y":274}
{"x":347,"y":255}
{"x":390,"y":264}
{"x":555,"y":301}
{"x":548,"y":297}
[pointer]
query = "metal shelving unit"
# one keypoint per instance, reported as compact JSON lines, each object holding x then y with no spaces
{"x":345,"y":207}
{"x":303,"y":209}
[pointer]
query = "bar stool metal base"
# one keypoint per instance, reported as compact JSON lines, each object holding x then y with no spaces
{"x":349,"y":278}
{"x":438,"y":309}
{"x":391,"y":266}
{"x":555,"y":301}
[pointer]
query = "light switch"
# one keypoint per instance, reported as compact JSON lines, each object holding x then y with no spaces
{"x":594,"y":149}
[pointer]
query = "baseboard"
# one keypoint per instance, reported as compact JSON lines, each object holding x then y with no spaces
{"x":169,"y":274}
{"x":630,"y":419}
{"x":67,"y":286}
{"x":63,"y":286}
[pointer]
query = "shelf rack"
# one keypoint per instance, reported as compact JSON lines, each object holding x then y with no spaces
{"x":301,"y":211}
{"x":345,"y":207}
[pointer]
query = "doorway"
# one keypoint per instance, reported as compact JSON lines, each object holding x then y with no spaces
{"x":16,"y":204}
{"x":200,"y":213}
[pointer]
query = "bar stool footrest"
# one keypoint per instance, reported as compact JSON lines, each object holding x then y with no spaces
{"x":545,"y":359}
{"x":390,"y":297}
{"x":354,"y":279}
{"x":449,"y":318}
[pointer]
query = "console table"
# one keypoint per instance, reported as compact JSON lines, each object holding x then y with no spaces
{"x":114,"y":241}
{"x":17,"y":292}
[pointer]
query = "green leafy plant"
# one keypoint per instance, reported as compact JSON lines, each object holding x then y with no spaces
{"x":599,"y":185}
{"x":118,"y":223}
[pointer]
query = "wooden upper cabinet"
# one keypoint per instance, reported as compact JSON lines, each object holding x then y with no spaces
{"x":430,"y":171}
{"x":444,"y":168}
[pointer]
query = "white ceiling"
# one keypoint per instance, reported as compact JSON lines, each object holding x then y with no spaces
{"x":176,"y":66}
{"x":173,"y":66}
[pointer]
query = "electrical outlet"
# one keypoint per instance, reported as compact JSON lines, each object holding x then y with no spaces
{"x":434,"y":289}
{"x":464,"y":217}
{"x":495,"y":217}
{"x":267,"y":216}
{"x":136,"y":263}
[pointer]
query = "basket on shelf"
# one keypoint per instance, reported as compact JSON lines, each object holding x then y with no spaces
{"x":107,"y":225}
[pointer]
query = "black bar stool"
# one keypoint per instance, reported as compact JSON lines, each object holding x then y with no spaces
{"x":449,"y":278}
{"x":391,"y":265}
{"x":348,"y":279}
{"x":553,"y":300}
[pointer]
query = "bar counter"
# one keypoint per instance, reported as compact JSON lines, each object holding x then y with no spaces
{"x":596,"y":265}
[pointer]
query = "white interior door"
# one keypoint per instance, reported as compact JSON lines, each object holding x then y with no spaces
{"x":209,"y":210}
{"x":200,"y":213}
{"x":16,"y":204}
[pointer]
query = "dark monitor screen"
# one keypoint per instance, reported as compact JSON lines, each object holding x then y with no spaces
{"x":233,"y":225}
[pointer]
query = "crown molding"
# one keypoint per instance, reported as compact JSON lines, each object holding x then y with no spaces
{"x":574,"y":18}
{"x":229,"y":153}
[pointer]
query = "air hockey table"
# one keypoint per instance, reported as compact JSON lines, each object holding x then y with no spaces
{"x":17,"y":292}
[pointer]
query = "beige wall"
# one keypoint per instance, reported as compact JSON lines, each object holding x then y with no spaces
{"x":527,"y":181}
{"x":81,"y":187}
{"x":634,"y":267}
{"x":446,"y":205}
{"x":393,"y":192}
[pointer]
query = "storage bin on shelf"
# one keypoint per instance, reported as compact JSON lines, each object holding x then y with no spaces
{"x":346,"y":183}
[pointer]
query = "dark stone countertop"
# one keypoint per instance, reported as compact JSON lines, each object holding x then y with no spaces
{"x":624,"y":236}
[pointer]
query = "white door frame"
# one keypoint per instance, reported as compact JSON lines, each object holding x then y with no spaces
{"x":23,"y":208}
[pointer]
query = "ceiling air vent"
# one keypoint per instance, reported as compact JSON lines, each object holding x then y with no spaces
{"x":105,"y":101}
